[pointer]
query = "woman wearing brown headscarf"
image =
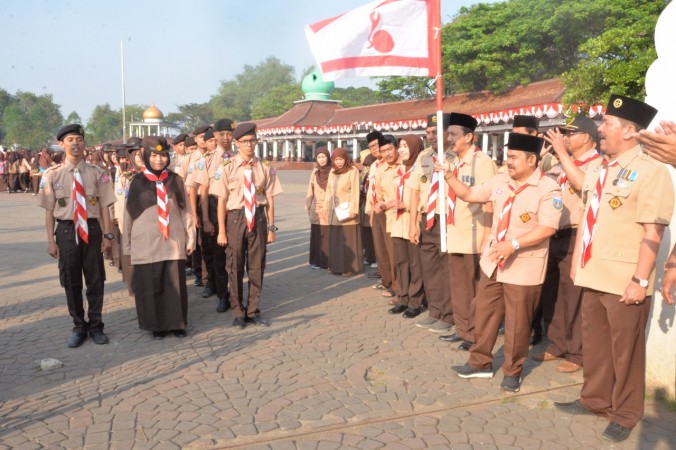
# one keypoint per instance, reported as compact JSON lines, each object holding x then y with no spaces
{"x":341,"y":203}
{"x":314,"y":205}
{"x":407,"y":264}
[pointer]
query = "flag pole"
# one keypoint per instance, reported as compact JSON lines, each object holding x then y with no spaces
{"x":440,"y":124}
{"x":124,"y":112}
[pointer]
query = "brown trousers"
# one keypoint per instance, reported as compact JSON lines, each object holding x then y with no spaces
{"x":614,"y":356}
{"x":409,"y":273}
{"x":382,"y":243}
{"x":516,"y":305}
{"x":463,"y":271}
{"x":565,"y":329}
{"x":435,"y":273}
{"x":246,"y":249}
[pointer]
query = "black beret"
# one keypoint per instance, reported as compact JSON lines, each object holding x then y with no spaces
{"x":108,"y":147}
{"x":178,"y":139}
{"x":190,"y":141}
{"x":70,"y":129}
{"x":209,"y":134}
{"x":134,"y":140}
{"x":244,"y":129}
{"x":373,"y":135}
{"x":582,"y":124}
{"x":157,"y":144}
{"x":630,"y":109}
{"x":432,"y":120}
{"x":526,"y":121}
{"x":463,"y":120}
{"x":224,"y":125}
{"x":201,"y":130}
{"x":525,"y":142}
{"x":121,"y":152}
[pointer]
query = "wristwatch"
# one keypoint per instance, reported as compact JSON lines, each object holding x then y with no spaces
{"x":272,"y":228}
{"x":109,"y":236}
{"x":639,"y":281}
{"x":515,"y":244}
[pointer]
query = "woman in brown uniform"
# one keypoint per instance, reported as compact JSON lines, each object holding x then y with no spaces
{"x":341,"y":203}
{"x":158,"y":234}
{"x":314,"y":205}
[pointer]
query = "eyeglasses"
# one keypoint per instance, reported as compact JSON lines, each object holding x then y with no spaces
{"x":248,"y":141}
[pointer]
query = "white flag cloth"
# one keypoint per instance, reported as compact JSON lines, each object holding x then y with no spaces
{"x":382,"y":38}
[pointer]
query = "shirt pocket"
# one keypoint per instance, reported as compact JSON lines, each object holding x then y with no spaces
{"x":625,"y":254}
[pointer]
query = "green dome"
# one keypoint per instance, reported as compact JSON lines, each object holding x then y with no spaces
{"x":315,"y":88}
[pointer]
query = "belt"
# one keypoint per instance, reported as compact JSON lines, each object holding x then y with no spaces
{"x":241,"y":210}
{"x":67,"y":222}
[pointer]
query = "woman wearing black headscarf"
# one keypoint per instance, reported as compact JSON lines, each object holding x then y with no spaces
{"x":314,"y":205}
{"x":341,"y":203}
{"x":158,"y":234}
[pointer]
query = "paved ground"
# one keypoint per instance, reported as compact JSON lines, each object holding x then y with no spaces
{"x":333,"y":370}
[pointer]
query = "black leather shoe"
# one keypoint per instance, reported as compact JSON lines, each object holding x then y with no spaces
{"x":198,"y":281}
{"x":180,"y":333}
{"x":574,"y":407}
{"x":615,"y":432}
{"x":466,"y":345}
{"x":159,"y":335}
{"x":207,"y":292}
{"x":258,"y":320}
{"x":223,"y":305}
{"x":410,"y":313}
{"x":76,"y":339}
{"x":239,"y":323}
{"x":451,"y":338}
{"x":98,"y":337}
{"x":397,"y":309}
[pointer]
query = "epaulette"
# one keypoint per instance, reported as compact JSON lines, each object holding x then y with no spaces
{"x":52,"y":168}
{"x":226,"y":162}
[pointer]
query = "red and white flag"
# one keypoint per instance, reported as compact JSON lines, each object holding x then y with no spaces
{"x":382,"y":38}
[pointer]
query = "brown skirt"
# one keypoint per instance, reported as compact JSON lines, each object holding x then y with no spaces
{"x":319,"y":245}
{"x":161,"y":295}
{"x":345,"y":249}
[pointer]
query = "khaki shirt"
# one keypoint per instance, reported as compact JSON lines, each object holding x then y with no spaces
{"x":181,"y":163}
{"x":466,"y":233}
{"x":198,"y":173}
{"x":386,"y":189}
{"x":625,"y":205}
{"x":398,"y":227}
{"x":372,"y":179}
{"x":538,"y":204}
{"x":340,"y":189}
{"x":56,"y":189}
{"x":421,"y":179}
{"x":228,"y":182}
{"x":314,"y":201}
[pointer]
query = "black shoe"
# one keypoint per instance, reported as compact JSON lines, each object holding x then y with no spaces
{"x":511,"y":383}
{"x":468,"y":371}
{"x":574,"y":407}
{"x":536,"y":338}
{"x":239,"y":323}
{"x":188,"y":272}
{"x":258,"y":320}
{"x":616,"y":432}
{"x":451,"y":338}
{"x":76,"y":339}
{"x":98,"y":337}
{"x":410,"y":313}
{"x":159,"y":335}
{"x":198,"y":281}
{"x":374,"y":275}
{"x":223,"y":305}
{"x":397,"y":309}
{"x":180,"y":333}
{"x":466,"y":345}
{"x":207,"y":292}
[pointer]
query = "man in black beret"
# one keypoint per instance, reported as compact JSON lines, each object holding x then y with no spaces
{"x":525,"y":125}
{"x":223,"y":129}
{"x":628,"y":200}
{"x":77,"y":196}
{"x":514,"y":258}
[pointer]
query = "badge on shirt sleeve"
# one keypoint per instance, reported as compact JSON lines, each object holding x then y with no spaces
{"x":190,"y":170}
{"x":260,"y":191}
{"x":615,"y":202}
{"x":105,"y":178}
{"x":218,"y":175}
{"x":92,"y":201}
{"x":43,"y":183}
{"x":61,"y":202}
{"x":57,"y":185}
{"x":423,"y":179}
{"x":572,"y":190}
{"x":558,"y":203}
{"x":266,"y":162}
{"x":525,"y":217}
{"x":119,"y":191}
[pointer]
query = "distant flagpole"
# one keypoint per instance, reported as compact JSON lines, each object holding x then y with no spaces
{"x":124,"y":112}
{"x":440,"y":123}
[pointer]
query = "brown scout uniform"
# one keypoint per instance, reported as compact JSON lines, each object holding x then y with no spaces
{"x":245,"y":247}
{"x":614,"y":333}
{"x":512,"y":293}
{"x":319,"y":221}
{"x":56,"y":195}
{"x":463,"y":239}
{"x":381,"y":222}
{"x":314,"y":201}
{"x":341,"y":189}
{"x":381,"y":243}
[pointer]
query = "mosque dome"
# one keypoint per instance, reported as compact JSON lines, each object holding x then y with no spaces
{"x":152,"y":113}
{"x":315,"y":88}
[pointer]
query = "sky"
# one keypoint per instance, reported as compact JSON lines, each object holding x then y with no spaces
{"x":175,"y":52}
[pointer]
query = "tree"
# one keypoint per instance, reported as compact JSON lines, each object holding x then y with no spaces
{"x":352,"y":96}
{"x":191,"y":116}
{"x":6,"y":99}
{"x":235,"y":98}
{"x":406,"y":88}
{"x":73,"y":117}
{"x":105,"y":124}
{"x":276,"y":101}
{"x":31,"y":120}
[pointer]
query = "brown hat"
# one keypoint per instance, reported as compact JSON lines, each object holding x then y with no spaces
{"x":178,"y":139}
{"x":244,"y":129}
{"x":190,"y":141}
{"x":630,"y":109}
{"x":201,"y":130}
{"x":156,"y":144}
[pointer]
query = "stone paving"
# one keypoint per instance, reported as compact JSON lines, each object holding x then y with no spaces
{"x":333,"y":371}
